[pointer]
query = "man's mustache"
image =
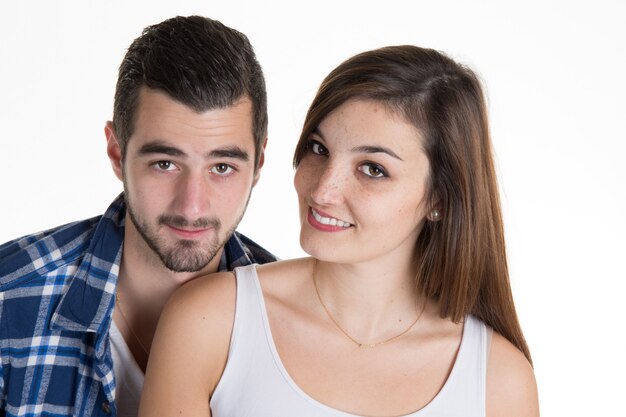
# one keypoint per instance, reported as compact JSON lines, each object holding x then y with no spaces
{"x":181,"y":222}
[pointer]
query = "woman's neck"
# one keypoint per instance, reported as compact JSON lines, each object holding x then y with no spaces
{"x":370,"y":301}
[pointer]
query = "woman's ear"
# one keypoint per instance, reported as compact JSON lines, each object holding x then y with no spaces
{"x":434,"y":215}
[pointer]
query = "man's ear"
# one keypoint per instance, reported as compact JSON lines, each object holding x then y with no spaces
{"x":257,"y":174}
{"x":113,"y":150}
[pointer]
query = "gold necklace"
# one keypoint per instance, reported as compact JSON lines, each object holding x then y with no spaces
{"x":119,"y":304}
{"x":359,"y":344}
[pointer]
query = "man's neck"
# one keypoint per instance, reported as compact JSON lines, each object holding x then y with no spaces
{"x":144,"y":286}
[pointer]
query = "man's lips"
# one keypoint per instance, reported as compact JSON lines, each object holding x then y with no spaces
{"x":188,"y":233}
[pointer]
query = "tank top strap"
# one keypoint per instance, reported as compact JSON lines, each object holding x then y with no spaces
{"x":248,"y":309}
{"x":464,"y":391}
{"x":248,"y":347}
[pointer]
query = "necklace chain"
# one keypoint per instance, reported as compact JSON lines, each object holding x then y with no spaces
{"x":359,"y":344}
{"x":119,"y":304}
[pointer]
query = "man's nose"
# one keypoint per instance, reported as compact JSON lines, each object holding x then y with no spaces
{"x":192,"y":195}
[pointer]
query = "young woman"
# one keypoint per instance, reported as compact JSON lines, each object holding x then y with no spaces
{"x":392,"y":315}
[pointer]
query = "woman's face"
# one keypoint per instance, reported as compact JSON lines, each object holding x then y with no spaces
{"x":361,"y":186}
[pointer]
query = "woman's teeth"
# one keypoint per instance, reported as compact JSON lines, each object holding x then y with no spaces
{"x":329,"y":220}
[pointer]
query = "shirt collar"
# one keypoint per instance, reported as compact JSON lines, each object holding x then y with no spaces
{"x":86,"y":304}
{"x":235,"y":254}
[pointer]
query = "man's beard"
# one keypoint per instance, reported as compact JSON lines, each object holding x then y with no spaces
{"x":183,"y":255}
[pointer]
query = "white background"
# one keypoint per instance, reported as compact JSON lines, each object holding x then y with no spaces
{"x":555,"y":79}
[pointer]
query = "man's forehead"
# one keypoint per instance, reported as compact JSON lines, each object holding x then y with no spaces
{"x":160,"y":117}
{"x":149,"y":98}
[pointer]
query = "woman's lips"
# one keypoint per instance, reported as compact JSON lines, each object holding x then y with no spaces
{"x":325,"y":222}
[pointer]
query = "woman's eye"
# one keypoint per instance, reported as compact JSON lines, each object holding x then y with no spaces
{"x":373,"y":170}
{"x":317,"y":148}
{"x":221,"y":169}
{"x":164,"y":165}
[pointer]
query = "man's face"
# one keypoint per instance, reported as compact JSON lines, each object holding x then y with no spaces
{"x":187,"y":177}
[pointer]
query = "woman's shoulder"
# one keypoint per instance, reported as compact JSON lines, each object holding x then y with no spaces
{"x":200,"y":314}
{"x":214,"y":291}
{"x":283,"y":275}
{"x":286,"y":267}
{"x":217,"y":292}
{"x":511,"y":385}
{"x":190,"y":347}
{"x":286,"y":283}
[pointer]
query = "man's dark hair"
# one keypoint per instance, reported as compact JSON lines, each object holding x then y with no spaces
{"x":197,"y":61}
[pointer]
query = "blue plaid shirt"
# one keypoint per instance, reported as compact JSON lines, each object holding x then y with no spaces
{"x":56,"y":305}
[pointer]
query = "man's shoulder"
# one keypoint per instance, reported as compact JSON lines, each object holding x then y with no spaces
{"x":42,"y":252}
{"x":256,"y":252}
{"x":35,"y":272}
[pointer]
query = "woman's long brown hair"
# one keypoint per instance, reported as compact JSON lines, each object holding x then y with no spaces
{"x":461,"y":259}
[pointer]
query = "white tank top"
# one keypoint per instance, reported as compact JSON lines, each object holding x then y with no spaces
{"x":255,"y":382}
{"x":128,"y":375}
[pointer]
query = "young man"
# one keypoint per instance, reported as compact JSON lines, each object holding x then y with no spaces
{"x":79,"y":303}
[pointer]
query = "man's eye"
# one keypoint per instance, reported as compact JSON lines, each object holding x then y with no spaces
{"x":373,"y":170}
{"x":222,"y":169}
{"x":317,"y":148}
{"x":165,"y":165}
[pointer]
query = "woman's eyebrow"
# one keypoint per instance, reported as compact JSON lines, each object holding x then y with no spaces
{"x":376,"y":149}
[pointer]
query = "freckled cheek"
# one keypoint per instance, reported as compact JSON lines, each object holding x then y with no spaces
{"x":414,"y":213}
{"x":302,"y":179}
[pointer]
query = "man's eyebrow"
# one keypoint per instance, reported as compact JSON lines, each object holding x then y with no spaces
{"x":234,"y":152}
{"x":376,"y":149}
{"x":158,"y":147}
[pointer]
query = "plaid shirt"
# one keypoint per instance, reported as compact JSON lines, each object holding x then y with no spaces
{"x":56,"y":305}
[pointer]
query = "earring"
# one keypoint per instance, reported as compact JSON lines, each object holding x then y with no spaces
{"x":435,"y":215}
